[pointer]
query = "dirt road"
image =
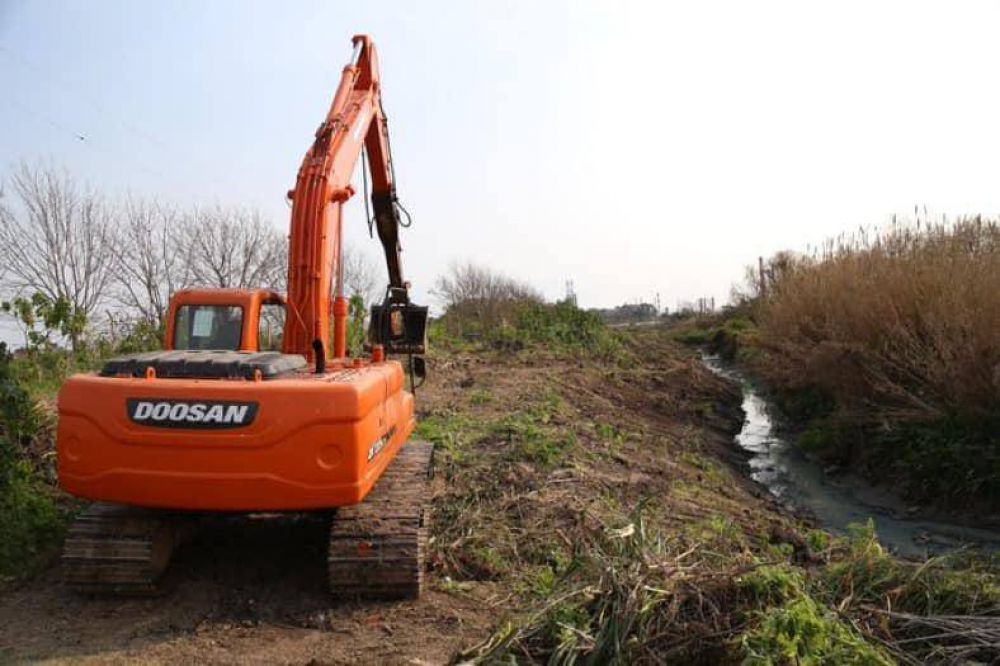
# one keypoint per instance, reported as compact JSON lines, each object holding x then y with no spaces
{"x":242,"y":592}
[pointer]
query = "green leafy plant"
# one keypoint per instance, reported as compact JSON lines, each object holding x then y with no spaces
{"x":803,"y":632}
{"x":30,"y":521}
{"x":42,"y":317}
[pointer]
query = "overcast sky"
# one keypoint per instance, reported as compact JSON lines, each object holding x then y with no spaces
{"x":631,"y":147}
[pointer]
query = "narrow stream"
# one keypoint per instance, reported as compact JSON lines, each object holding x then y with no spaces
{"x":836,"y":502}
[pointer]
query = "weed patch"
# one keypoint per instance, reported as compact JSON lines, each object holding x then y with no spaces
{"x":631,"y":596}
{"x":803,"y":632}
{"x":31,"y":523}
{"x":657,"y":556}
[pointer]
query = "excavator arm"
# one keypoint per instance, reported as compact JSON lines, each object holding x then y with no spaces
{"x":384,"y":200}
{"x":355,"y":122}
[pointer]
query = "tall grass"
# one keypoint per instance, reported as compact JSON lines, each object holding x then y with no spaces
{"x":900,"y":331}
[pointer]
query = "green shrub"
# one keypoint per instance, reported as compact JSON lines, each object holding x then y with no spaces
{"x":31,"y":523}
{"x":562,"y":328}
{"x":356,"y":333}
{"x":140,"y":336}
{"x":562,"y":324}
{"x":21,"y":419}
{"x":42,"y":318}
{"x":729,"y":339}
{"x":803,"y":632}
{"x":695,"y":337}
{"x":803,"y":403}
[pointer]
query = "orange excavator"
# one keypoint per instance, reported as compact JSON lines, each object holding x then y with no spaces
{"x":217,"y":422}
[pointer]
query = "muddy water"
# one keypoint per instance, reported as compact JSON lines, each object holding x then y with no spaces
{"x":836,"y":502}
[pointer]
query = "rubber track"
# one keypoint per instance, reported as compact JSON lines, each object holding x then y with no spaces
{"x":377,"y":548}
{"x":121,"y":550}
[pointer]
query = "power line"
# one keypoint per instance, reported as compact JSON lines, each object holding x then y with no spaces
{"x":47,"y":118}
{"x":66,"y":85}
{"x":75,"y":90}
{"x":82,"y":138}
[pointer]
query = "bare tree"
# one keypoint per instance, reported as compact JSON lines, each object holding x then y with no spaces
{"x":226,"y":247}
{"x":362,"y":277}
{"x":151,"y":264}
{"x":57,"y":239}
{"x":476,"y":297}
{"x":469,"y":284}
{"x":3,"y":212}
{"x":234,"y":247}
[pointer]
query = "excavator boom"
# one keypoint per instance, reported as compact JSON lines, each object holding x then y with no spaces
{"x":355,"y":122}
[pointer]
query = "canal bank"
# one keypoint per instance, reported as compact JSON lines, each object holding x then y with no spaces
{"x":836,"y":502}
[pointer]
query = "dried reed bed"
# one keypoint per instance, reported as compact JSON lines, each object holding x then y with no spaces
{"x":900,"y":330}
{"x":905,"y":322}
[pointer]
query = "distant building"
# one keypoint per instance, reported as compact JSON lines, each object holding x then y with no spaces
{"x":629,"y":312}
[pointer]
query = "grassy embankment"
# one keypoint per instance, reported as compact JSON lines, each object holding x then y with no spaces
{"x":585,"y":484}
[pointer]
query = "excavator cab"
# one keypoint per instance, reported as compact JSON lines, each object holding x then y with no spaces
{"x":251,"y":321}
{"x":224,"y":319}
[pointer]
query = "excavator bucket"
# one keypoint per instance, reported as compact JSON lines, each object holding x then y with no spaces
{"x":401,"y":328}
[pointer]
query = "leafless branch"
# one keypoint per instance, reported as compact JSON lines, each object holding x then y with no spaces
{"x":57,"y":239}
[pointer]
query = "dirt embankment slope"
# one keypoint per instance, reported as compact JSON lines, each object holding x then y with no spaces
{"x":532,"y":449}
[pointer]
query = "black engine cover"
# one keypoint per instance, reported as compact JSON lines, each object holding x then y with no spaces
{"x":204,"y":364}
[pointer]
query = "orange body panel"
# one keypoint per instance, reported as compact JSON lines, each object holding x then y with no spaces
{"x":315,"y":440}
{"x":307,"y":448}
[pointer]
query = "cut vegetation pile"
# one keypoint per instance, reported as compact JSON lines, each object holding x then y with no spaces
{"x":598,"y":506}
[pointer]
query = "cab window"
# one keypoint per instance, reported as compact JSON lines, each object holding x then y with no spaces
{"x":208,"y":327}
{"x":270,"y":327}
